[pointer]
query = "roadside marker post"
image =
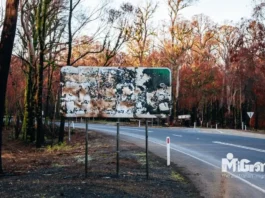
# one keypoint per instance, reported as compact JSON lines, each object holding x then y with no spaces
{"x":73,"y":125}
{"x":250,"y":114}
{"x":168,"y":151}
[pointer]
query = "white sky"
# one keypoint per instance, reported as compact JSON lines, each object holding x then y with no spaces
{"x":218,"y":10}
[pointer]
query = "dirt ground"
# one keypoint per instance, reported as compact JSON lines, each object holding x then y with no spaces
{"x":59,"y":171}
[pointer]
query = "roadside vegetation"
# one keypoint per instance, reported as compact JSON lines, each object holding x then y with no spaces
{"x":59,"y":170}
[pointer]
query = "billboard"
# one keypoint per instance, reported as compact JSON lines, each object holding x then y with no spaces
{"x":115,"y":92}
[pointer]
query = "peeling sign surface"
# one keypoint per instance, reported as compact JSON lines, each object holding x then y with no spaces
{"x":115,"y":92}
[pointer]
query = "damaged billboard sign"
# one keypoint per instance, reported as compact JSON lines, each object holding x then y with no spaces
{"x":115,"y":92}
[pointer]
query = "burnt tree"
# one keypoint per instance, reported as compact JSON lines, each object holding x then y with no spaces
{"x":6,"y":47}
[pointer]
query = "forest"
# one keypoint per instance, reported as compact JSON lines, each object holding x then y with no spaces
{"x":218,"y":71}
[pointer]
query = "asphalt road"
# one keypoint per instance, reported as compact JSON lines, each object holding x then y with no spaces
{"x":199,"y":152}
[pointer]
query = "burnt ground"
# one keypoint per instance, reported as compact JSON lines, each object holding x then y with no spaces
{"x":59,"y":171}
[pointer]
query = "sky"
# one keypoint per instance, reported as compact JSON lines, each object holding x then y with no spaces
{"x":218,"y":10}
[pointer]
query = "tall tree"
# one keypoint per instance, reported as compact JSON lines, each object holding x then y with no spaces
{"x":119,"y":31}
{"x":40,"y":33}
{"x":28,"y":53}
{"x":180,"y":41}
{"x":227,"y":38}
{"x":203,"y":54}
{"x":249,"y":61}
{"x":142,"y":32}
{"x":6,"y":47}
{"x":85,"y":19}
{"x":41,"y":29}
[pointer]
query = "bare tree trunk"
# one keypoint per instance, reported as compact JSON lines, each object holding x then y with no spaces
{"x":240,"y":103}
{"x":61,"y":132}
{"x":256,"y":113}
{"x":28,"y":128}
{"x":69,"y":55}
{"x":177,"y":93}
{"x":17,"y":127}
{"x":6,"y":47}
{"x":41,"y":28}
{"x":174,"y":103}
{"x":70,"y":37}
{"x":40,"y":132}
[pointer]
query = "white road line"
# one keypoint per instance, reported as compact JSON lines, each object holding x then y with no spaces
{"x":135,"y":130}
{"x":121,"y":128}
{"x":239,"y":146}
{"x":177,"y":135}
{"x":219,"y":131}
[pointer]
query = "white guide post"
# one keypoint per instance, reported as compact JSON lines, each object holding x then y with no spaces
{"x":168,"y":151}
{"x":73,"y":125}
{"x":69,"y":131}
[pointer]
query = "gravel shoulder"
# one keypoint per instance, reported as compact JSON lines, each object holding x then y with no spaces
{"x":59,"y":171}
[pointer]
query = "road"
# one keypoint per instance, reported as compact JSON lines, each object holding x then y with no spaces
{"x":199,"y":153}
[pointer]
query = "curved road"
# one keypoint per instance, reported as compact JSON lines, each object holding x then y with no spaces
{"x":199,"y":152}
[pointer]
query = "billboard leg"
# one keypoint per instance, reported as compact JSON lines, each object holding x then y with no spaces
{"x":86,"y":157}
{"x":69,"y":130}
{"x":146,"y":149}
{"x":118,"y":149}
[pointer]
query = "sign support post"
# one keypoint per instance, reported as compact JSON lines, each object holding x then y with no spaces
{"x":118,"y":149}
{"x":250,"y":114}
{"x":86,"y":157}
{"x":146,"y":148}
